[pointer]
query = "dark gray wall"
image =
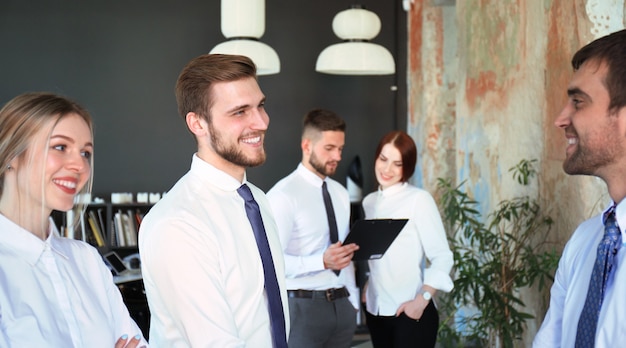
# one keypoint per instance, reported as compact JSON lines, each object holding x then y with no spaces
{"x":120,"y":59}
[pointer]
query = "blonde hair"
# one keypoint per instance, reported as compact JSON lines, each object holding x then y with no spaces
{"x":23,"y":117}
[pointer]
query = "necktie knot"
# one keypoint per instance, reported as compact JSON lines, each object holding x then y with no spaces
{"x":245,"y":193}
{"x":611,"y":229}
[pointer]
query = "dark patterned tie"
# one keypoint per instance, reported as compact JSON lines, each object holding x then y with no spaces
{"x":602,"y":271}
{"x":277,"y":316}
{"x":330,"y":214}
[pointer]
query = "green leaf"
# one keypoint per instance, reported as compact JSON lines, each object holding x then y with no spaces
{"x":494,"y":258}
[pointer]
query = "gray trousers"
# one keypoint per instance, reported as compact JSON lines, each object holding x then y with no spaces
{"x":318,"y":323}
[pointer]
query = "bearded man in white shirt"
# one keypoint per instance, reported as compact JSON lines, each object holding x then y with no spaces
{"x":323,"y":298}
{"x":203,"y":272}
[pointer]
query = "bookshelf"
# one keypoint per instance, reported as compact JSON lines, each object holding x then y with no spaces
{"x":106,"y":226}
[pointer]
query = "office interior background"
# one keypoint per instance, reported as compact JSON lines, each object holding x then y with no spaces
{"x":121,"y":59}
{"x":478,"y":85}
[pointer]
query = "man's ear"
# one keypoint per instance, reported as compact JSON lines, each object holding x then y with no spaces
{"x":306,"y":146}
{"x":196,"y":124}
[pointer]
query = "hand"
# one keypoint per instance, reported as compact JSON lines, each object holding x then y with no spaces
{"x":123,"y":342}
{"x":338,"y":257}
{"x":413,"y":309}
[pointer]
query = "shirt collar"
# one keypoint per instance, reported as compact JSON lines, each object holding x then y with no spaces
{"x":309,"y":176}
{"x":209,"y":174}
{"x":397,"y":187}
{"x":25,"y":244}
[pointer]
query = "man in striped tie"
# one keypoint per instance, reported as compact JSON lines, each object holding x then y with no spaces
{"x":588,"y":297}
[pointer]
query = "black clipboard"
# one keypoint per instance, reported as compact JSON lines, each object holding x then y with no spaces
{"x":373,"y":237}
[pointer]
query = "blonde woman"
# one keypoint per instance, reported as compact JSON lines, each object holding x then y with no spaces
{"x":54,"y":291}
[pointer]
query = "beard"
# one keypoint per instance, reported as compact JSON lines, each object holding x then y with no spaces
{"x":321,"y":167}
{"x":597,"y":151}
{"x":231,"y":153}
{"x":586,"y":161}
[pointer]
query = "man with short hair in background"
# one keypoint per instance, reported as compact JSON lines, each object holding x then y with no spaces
{"x":323,"y":297}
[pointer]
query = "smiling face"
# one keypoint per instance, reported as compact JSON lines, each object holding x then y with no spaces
{"x":593,"y":133}
{"x":388,"y":166}
{"x":62,"y":164}
{"x":236,"y":129}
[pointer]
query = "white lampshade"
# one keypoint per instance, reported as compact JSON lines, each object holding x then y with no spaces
{"x":356,"y":55}
{"x":264,"y":57}
{"x":356,"y":23}
{"x":243,"y":18}
{"x":243,"y":24}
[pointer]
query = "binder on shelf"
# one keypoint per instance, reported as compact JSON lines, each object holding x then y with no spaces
{"x":119,"y":229}
{"x":130,"y":230}
{"x":95,"y":228}
{"x":138,"y":218}
{"x":112,"y":233}
{"x":103,"y":226}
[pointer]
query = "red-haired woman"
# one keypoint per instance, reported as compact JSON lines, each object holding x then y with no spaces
{"x":401,"y":290}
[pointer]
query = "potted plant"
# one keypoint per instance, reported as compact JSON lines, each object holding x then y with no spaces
{"x":493,"y":260}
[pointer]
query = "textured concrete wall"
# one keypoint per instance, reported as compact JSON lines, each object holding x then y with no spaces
{"x":432,"y":90}
{"x":487,"y":79}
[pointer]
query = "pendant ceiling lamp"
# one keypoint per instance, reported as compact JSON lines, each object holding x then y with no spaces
{"x":356,"y":55}
{"x":243,"y":24}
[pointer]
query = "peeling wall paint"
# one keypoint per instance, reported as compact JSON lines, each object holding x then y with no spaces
{"x":487,"y":79}
{"x":432,"y":91}
{"x":494,"y":46}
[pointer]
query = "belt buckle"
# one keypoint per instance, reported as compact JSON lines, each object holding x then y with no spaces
{"x":330,"y":295}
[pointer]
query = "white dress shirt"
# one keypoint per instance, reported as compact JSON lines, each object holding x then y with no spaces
{"x":300,"y":213}
{"x":398,"y":276}
{"x":57,"y":293}
{"x":201,"y":265}
{"x":569,"y":291}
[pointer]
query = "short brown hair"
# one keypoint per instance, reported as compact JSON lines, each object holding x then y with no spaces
{"x":321,"y":120}
{"x":193,"y":87}
{"x":610,"y":50}
{"x":408,"y":151}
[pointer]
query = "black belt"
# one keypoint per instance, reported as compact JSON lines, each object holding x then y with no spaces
{"x":328,"y":295}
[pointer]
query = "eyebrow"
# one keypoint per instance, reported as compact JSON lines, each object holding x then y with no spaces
{"x":244,"y":106}
{"x":65,"y":137}
{"x":237,"y":108}
{"x":576,"y":91}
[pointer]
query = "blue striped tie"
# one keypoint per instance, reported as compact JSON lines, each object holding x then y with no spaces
{"x":602,"y":271}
